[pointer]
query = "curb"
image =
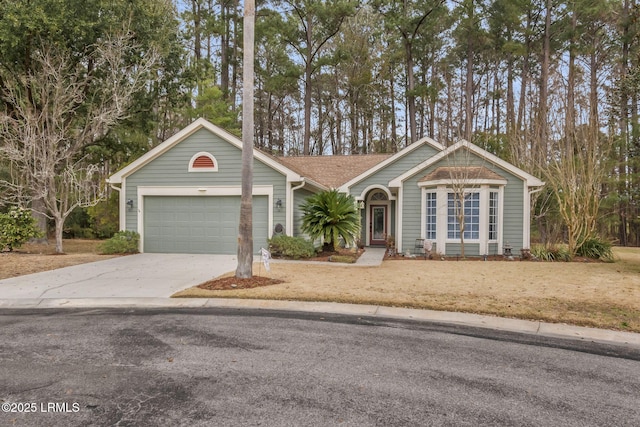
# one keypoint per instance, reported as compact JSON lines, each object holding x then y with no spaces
{"x":467,"y":319}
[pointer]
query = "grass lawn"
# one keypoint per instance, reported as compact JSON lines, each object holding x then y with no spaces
{"x":33,"y":258}
{"x":603,"y":295}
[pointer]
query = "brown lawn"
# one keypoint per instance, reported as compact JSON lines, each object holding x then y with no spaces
{"x":589,"y":294}
{"x":604,"y":295}
{"x":33,"y":258}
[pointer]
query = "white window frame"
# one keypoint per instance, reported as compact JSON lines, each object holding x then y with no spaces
{"x":455,"y":217}
{"x":431,"y":212}
{"x":442,"y":194}
{"x":496,"y":215}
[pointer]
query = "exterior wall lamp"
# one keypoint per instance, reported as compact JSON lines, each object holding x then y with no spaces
{"x":279,"y":204}
{"x":130,"y":203}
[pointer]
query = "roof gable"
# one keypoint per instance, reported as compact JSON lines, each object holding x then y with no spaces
{"x":176,"y":139}
{"x":530,"y":180}
{"x":391,"y":159}
{"x":447,"y":173}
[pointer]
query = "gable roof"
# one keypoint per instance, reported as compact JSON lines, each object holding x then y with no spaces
{"x":529,"y":179}
{"x":446,"y":173}
{"x":200,"y":123}
{"x":407,"y":150}
{"x":333,"y":171}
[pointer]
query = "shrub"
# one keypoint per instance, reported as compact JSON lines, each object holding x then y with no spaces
{"x":291,"y":247}
{"x":596,"y":248}
{"x":123,"y":242}
{"x":551,"y":252}
{"x":346,"y":259}
{"x":103,"y":217}
{"x":16,"y":227}
{"x":331,"y":216}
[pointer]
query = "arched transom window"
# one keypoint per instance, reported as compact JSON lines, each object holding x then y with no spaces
{"x":379,"y":195}
{"x":203,"y":162}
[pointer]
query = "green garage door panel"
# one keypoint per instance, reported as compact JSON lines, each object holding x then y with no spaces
{"x":200,"y":225}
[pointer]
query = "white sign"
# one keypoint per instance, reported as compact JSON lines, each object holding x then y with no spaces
{"x":266,"y":256}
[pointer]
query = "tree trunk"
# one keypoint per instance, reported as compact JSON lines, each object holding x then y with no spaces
{"x":224,"y":48}
{"x":38,"y":208}
{"x":468,"y":104}
{"x":411,"y":97}
{"x":59,"y":229}
{"x":394,"y":127}
{"x":570,"y":119}
{"x":540,"y":152}
{"x":245,"y":232}
{"x":624,"y":123}
{"x":511,"y":111}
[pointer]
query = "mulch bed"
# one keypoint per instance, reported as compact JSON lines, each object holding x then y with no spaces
{"x":399,"y":257}
{"x":230,"y":283}
{"x":325,"y":256}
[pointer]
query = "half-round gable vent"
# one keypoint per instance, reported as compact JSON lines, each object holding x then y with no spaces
{"x":203,"y":162}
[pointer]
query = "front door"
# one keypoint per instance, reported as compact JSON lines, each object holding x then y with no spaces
{"x":378,"y":225}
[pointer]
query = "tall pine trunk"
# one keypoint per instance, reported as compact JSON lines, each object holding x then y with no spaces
{"x":245,"y":231}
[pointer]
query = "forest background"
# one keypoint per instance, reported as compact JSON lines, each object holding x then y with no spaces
{"x":551,"y":86}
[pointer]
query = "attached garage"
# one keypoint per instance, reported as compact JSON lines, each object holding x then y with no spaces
{"x":183,"y":196}
{"x":199,"y":224}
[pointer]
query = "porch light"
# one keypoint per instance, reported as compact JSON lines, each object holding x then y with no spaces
{"x":130,"y":203}
{"x":279,"y":204}
{"x":360,"y":204}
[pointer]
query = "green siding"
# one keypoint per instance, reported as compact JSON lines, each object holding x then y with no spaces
{"x":395,"y":169}
{"x":171,"y":170}
{"x":513,"y":207}
{"x":299,"y":197}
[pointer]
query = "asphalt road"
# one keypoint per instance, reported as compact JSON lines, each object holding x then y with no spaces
{"x":203,"y":367}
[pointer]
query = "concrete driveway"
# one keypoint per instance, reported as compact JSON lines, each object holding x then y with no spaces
{"x":133,"y":276}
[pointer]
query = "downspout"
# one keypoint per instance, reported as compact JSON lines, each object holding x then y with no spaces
{"x":527,"y":226}
{"x":289,"y":227}
{"x":121,"y":220}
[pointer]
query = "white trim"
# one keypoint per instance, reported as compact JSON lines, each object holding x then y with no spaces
{"x":363,"y":195}
{"x":201,"y":191}
{"x":367,"y":208}
{"x":526,"y":219}
{"x":185,"y":133}
{"x":470,"y":182}
{"x":290,"y":197}
{"x":530,"y":180}
{"x":500,"y":219}
{"x":480,"y":216}
{"x":122,"y":206}
{"x":191,"y":168}
{"x":442,"y":217}
{"x":399,"y":218}
{"x":483,"y":231}
{"x":344,"y":188}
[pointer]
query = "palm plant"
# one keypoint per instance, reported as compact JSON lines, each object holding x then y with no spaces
{"x":330,"y":216}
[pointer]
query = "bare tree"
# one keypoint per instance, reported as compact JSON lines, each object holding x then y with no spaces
{"x":245,"y":231}
{"x":55,"y":112}
{"x":575,"y":175}
{"x":463,"y":174}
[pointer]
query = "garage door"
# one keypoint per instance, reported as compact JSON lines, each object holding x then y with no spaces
{"x":200,"y":225}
